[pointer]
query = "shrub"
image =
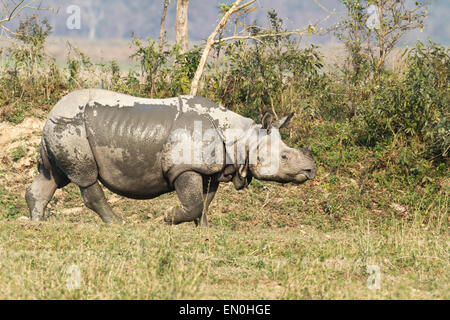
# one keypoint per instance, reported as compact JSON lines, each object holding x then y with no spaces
{"x":166,"y":71}
{"x":426,"y":102}
{"x":272,"y":73}
{"x":413,"y":104}
{"x":400,"y":117}
{"x":29,"y":77}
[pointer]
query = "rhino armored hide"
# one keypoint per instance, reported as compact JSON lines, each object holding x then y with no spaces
{"x":141,"y":148}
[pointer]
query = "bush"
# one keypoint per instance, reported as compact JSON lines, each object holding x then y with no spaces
{"x":400,"y":117}
{"x":426,"y":103}
{"x":271,"y":73}
{"x":29,"y":78}
{"x":166,"y":72}
{"x":413,"y":105}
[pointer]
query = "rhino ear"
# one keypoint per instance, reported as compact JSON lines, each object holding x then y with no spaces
{"x":282,"y":122}
{"x":267,"y":120}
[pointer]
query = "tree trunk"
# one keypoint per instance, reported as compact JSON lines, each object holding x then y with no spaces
{"x":93,"y":30}
{"x":182,"y":25}
{"x":163,"y":21}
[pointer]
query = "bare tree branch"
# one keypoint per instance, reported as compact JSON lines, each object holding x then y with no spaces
{"x":308,"y":30}
{"x":298,"y":32}
{"x":10,"y":9}
{"x":210,"y":43}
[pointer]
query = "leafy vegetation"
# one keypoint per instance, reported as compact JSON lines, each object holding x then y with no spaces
{"x":18,"y":153}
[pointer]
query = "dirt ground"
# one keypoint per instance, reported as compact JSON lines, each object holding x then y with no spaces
{"x":25,"y":136}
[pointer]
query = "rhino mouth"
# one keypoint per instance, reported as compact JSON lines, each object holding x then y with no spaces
{"x":304,"y":175}
{"x":310,"y":174}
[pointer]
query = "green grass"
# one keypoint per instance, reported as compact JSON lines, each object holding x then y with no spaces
{"x":149,"y":260}
{"x":18,"y":154}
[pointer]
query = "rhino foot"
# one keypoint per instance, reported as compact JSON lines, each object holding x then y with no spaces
{"x":177,"y":215}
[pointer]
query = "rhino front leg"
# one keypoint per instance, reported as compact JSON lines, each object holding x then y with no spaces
{"x":94,"y":199}
{"x":189,"y":188}
{"x":210,"y":185}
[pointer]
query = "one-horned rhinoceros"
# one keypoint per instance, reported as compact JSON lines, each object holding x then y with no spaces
{"x":141,"y":148}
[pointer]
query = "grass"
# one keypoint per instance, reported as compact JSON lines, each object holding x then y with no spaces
{"x":272,"y":241}
{"x":151,"y":261}
{"x":18,"y":154}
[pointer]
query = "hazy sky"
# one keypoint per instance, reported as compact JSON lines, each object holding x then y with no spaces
{"x":118,"y":18}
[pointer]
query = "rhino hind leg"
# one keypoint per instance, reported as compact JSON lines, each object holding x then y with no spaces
{"x":38,"y":195}
{"x":66,"y":144}
{"x":94,"y":199}
{"x":189,"y":188}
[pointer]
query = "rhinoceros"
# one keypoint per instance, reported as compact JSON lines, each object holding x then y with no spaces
{"x":141,"y":148}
